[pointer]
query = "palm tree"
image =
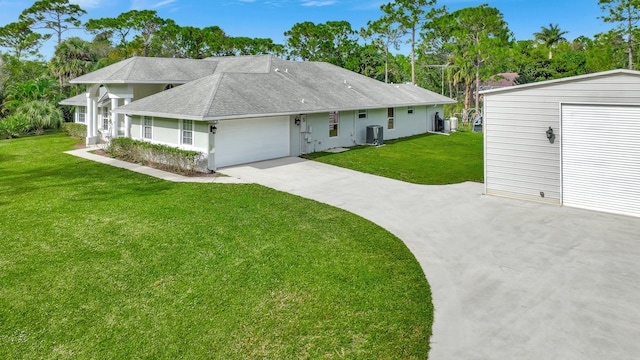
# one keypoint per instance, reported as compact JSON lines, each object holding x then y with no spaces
{"x":550,"y":37}
{"x":72,"y":58}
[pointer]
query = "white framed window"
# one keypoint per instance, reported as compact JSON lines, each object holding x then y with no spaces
{"x":410,"y":110}
{"x":391,"y":119}
{"x":147,"y":127}
{"x":362,"y":114}
{"x":187,"y":132}
{"x":105,"y":118}
{"x":81,"y":113}
{"x":334,"y":123}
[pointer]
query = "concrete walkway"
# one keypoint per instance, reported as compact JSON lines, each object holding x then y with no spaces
{"x":510,"y":279}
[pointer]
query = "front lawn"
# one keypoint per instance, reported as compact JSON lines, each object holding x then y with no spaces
{"x":98,"y":262}
{"x":422,"y":159}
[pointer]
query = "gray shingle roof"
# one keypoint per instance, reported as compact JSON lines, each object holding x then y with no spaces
{"x":78,"y":100}
{"x":141,"y":70}
{"x":264,"y":85}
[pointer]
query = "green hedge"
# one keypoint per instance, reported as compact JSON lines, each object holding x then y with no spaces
{"x":161,"y":156}
{"x":75,"y":130}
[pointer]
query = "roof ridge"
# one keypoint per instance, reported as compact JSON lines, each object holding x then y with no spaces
{"x":131,"y":66}
{"x":213,"y":93}
{"x":268,"y":63}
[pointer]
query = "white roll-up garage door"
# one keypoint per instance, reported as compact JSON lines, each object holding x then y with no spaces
{"x":247,"y":140}
{"x":601,"y":158}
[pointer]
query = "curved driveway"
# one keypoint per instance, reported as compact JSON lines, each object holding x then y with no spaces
{"x":510,"y":279}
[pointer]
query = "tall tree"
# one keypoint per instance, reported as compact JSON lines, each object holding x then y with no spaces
{"x":385,"y":34}
{"x":478,"y":39}
{"x":626,"y":14}
{"x":410,"y":16}
{"x":132,"y":31}
{"x":56,"y":15}
{"x":19,"y":37}
{"x":173,"y":40}
{"x":72,"y":58}
{"x":550,"y":37}
{"x":334,"y":42}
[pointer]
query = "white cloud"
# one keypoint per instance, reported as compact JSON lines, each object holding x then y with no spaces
{"x":316,"y":3}
{"x":150,"y":4}
{"x":86,"y":4}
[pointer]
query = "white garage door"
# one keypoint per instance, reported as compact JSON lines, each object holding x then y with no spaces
{"x":601,"y":158}
{"x":248,"y":140}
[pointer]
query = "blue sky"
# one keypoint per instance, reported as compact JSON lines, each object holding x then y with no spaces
{"x":271,"y":18}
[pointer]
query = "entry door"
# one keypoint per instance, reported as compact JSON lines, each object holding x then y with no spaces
{"x":601,"y":158}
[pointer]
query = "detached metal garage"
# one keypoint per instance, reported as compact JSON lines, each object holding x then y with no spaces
{"x":573,"y":141}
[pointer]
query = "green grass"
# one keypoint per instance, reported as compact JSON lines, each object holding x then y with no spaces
{"x":98,"y":262}
{"x":422,"y":159}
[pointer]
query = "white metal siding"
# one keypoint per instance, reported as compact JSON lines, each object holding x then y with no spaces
{"x":519,"y":160}
{"x":248,"y":140}
{"x":601,"y":158}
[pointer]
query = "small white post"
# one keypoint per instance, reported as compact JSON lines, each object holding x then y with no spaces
{"x":88,"y":120}
{"x":115,"y":124}
{"x":127,"y":121}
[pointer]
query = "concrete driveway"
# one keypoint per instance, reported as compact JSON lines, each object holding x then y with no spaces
{"x":510,"y":279}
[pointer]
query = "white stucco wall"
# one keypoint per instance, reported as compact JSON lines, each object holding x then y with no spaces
{"x":352,"y":130}
{"x":167,"y":132}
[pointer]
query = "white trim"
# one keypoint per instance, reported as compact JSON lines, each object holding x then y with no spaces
{"x":80,"y":110}
{"x":484,"y":143}
{"x":251,"y":116}
{"x":143,"y":126}
{"x":391,"y":118}
{"x":336,"y":118}
{"x":562,"y":80}
{"x":183,"y":131}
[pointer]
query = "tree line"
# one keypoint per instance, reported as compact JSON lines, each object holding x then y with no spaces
{"x":454,"y":52}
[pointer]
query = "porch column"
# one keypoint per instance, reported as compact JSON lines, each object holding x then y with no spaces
{"x":115,"y":124}
{"x":127,"y":121}
{"x":88,"y":119}
{"x":94,"y":119}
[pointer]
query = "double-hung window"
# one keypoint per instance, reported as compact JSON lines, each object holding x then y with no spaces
{"x":147,"y":128}
{"x":187,"y":132}
{"x":105,"y":118}
{"x":391,"y":119}
{"x":81,"y":112}
{"x":334,"y":123}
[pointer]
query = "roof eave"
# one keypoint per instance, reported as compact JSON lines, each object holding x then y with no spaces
{"x":258,"y":115}
{"x":559,"y":81}
{"x":152,"y":82}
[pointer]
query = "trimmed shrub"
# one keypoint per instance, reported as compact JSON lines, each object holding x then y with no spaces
{"x":75,"y":130}
{"x":160,"y":156}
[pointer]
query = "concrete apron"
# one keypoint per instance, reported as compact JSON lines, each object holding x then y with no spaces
{"x":510,"y":279}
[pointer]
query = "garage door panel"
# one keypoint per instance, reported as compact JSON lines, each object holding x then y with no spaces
{"x":601,"y":158}
{"x":248,"y":140}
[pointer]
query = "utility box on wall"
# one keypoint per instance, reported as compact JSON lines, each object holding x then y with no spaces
{"x":374,"y":135}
